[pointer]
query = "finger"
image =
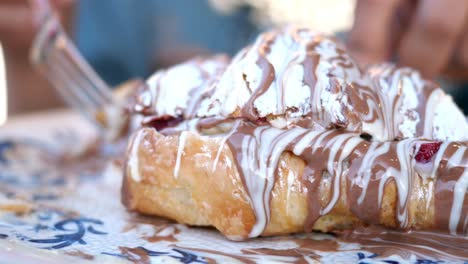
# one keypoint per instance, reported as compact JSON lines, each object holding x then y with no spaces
{"x":458,"y":65}
{"x":41,"y":9}
{"x":63,"y":4}
{"x":49,"y":4}
{"x":432,"y":35}
{"x":13,"y":2}
{"x":369,"y":39}
{"x":16,"y":27}
{"x":461,"y":55}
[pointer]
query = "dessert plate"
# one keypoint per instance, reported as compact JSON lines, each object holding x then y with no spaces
{"x":60,"y":201}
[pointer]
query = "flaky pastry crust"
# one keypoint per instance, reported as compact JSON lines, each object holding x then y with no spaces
{"x":201,"y":192}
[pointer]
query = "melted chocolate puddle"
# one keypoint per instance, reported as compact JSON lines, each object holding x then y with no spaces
{"x":377,"y":240}
{"x":241,"y":258}
{"x":385,"y":242}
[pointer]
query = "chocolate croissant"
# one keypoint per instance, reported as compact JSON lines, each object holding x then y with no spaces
{"x":292,"y":136}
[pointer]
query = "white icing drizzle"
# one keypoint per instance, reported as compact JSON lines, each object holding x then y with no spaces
{"x":304,"y":142}
{"x":459,"y":192}
{"x":261,"y":151}
{"x":133,"y":161}
{"x":260,"y":156}
{"x":262,"y":148}
{"x":400,"y":93}
{"x":365,"y":172}
{"x":346,"y":143}
{"x":430,"y":107}
{"x":222,"y":144}
{"x":403,"y":178}
{"x":180,"y":150}
{"x":438,"y":157}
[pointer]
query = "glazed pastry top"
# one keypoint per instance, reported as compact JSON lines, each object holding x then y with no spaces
{"x":298,"y":91}
{"x":299,"y":77}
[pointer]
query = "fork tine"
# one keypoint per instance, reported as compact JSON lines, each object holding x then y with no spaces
{"x":59,"y":60}
{"x":73,"y":57}
{"x":53,"y":41}
{"x":69,"y":96}
{"x":74,"y":84}
{"x":73,"y":102}
{"x":58,"y":75}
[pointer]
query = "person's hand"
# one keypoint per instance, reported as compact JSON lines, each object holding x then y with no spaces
{"x":429,"y":35}
{"x":18,"y":23}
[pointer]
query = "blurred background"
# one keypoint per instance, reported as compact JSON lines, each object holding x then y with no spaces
{"x":128,"y":39}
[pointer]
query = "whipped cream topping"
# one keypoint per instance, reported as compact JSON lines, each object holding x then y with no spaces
{"x":290,"y":73}
{"x":447,"y":121}
{"x":414,"y":107}
{"x":177,"y":91}
{"x":294,"y":76}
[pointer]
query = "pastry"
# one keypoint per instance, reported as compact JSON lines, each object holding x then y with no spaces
{"x":260,"y":180}
{"x":292,"y":136}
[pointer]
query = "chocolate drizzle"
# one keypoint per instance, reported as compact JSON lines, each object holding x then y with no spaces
{"x":451,"y":187}
{"x":257,"y":151}
{"x":428,"y":245}
{"x":383,"y":101}
{"x":380,"y":177}
{"x":374,"y":166}
{"x":267,"y":78}
{"x":377,"y":240}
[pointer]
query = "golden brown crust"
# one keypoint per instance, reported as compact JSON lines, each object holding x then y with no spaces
{"x":117,"y":119}
{"x":198,"y":196}
{"x":201,"y":195}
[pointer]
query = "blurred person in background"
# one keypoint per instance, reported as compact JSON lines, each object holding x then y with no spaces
{"x":429,"y":35}
{"x":128,"y":39}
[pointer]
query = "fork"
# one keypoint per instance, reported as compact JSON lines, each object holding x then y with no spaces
{"x":58,"y":60}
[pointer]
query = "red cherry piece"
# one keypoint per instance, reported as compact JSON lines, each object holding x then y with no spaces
{"x":164,"y":122}
{"x":427,"y":151}
{"x":261,"y":121}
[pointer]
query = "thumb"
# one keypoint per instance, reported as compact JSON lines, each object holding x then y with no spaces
{"x":370,"y":38}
